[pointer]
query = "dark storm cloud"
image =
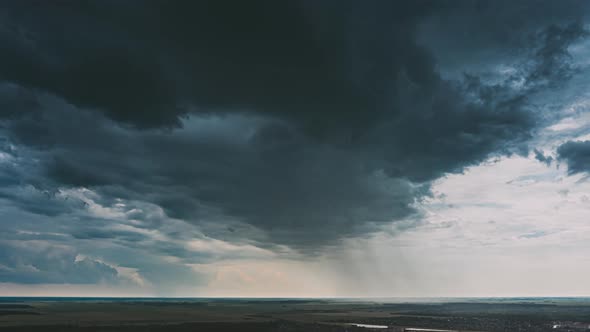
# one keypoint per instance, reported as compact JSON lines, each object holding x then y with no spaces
{"x":145,"y":63}
{"x":306,"y":121}
{"x":554,"y":49}
{"x":329,"y":66}
{"x":193,"y":176}
{"x":577,"y":156}
{"x":475,"y":35}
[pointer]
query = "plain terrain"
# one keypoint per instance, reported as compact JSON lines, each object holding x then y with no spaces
{"x":170,"y":315}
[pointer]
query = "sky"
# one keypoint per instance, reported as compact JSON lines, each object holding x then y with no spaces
{"x":294,"y":148}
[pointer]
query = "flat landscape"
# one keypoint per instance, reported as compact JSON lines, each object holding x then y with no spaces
{"x":140,"y":314}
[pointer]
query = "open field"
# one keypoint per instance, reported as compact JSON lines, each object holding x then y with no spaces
{"x":44,"y":314}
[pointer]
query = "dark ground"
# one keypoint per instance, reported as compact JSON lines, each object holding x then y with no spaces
{"x":171,"y":315}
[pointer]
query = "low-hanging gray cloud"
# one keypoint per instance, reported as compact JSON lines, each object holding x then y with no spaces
{"x":45,"y":263}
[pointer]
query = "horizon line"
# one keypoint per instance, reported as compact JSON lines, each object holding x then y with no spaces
{"x":300,"y":297}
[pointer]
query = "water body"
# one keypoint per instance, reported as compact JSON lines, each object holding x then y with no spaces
{"x":427,"y":330}
{"x":369,"y":326}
